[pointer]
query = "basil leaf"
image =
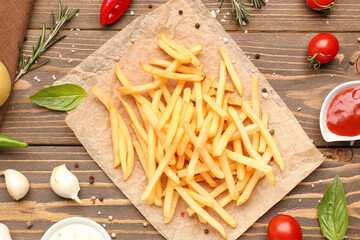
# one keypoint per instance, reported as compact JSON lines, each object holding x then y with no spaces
{"x":333,"y":212}
{"x":61,"y":98}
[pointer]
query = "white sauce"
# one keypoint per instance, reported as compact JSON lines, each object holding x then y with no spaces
{"x":77,"y":231}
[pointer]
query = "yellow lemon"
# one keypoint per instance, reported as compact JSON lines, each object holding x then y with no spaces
{"x":5,"y":84}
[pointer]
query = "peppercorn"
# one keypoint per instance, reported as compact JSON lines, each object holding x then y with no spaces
{"x":264,"y":90}
{"x":197,"y":25}
{"x":25,"y":39}
{"x":206,"y":231}
{"x":101,"y":199}
{"x":181,"y":12}
{"x":150,"y":6}
{"x":352,"y":61}
{"x":76,"y":165}
{"x":257,"y":56}
{"x":272,"y":131}
{"x":29,"y":224}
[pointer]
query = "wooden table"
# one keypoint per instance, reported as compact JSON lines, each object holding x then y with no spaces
{"x":279,"y":32}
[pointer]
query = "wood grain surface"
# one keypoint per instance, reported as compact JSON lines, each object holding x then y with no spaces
{"x":279,"y":32}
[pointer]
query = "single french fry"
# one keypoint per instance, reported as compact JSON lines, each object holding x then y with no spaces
{"x":235,"y":102}
{"x":101,"y":96}
{"x":169,"y":194}
{"x":192,"y":165}
{"x":229,"y":179}
{"x":134,"y":119}
{"x":222,"y":213}
{"x":208,"y":179}
{"x":219,"y":98}
{"x":180,"y":69}
{"x":215,"y":106}
{"x":232,"y":72}
{"x":265,"y":119}
{"x":200,"y":211}
{"x":187,"y":95}
{"x":250,"y":129}
{"x":177,"y":47}
{"x":240,"y":168}
{"x":173,"y":123}
{"x":140,"y":155}
{"x":199,"y":106}
{"x":165,"y":115}
{"x":182,"y":58}
{"x":228,"y":87}
{"x":255,"y":100}
{"x":139,"y":88}
{"x":265,"y":133}
{"x":217,"y":137}
{"x":114,"y":132}
{"x":173,"y":207}
{"x":160,"y":149}
{"x":158,"y":193}
{"x":170,"y":75}
{"x":204,"y":131}
{"x":180,"y":162}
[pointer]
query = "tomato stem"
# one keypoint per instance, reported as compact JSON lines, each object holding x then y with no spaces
{"x":326,"y":9}
{"x":314,"y":62}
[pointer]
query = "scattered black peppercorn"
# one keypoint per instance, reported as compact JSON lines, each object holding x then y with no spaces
{"x":206,"y":231}
{"x":272,"y":131}
{"x":29,"y":224}
{"x":264,"y":90}
{"x":181,"y":12}
{"x":25,"y":39}
{"x":150,"y":6}
{"x":91,"y":179}
{"x":197,"y":25}
{"x":257,"y":56}
{"x":101,"y":199}
{"x":76,"y":165}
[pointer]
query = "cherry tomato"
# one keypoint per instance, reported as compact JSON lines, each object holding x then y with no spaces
{"x":112,"y":10}
{"x":322,"y":49}
{"x":284,"y":227}
{"x":321,"y":5}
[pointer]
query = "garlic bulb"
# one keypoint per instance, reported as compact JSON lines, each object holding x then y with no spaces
{"x":4,"y":232}
{"x":16,"y":183}
{"x":64,"y":183}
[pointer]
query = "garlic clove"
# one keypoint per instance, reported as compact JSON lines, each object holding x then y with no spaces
{"x":16,"y":183}
{"x":64,"y":183}
{"x":4,"y":232}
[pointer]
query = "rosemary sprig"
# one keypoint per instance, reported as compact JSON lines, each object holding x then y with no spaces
{"x":26,"y":63}
{"x":239,"y":9}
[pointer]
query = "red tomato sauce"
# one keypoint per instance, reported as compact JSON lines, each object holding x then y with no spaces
{"x":343,"y":115}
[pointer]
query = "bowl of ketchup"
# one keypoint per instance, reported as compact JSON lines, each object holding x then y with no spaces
{"x":340,"y":113}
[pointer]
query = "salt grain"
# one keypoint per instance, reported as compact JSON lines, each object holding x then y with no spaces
{"x":110,"y":218}
{"x":249,"y":57}
{"x":265,"y":95}
{"x":72,"y":50}
{"x":352,"y":143}
{"x":73,"y":45}
{"x":227,"y":13}
{"x":233,"y":61}
{"x":145,"y":224}
{"x":327,"y":22}
{"x":104,"y":225}
{"x":246,"y":31}
{"x":71,"y":29}
{"x":244,"y":23}
{"x":220,"y":38}
{"x":223,"y":20}
{"x":253,"y":70}
{"x":299,"y":109}
{"x":57,"y":22}
{"x":132,"y":13}
{"x":217,"y":11}
{"x":319,"y":200}
{"x":76,"y":34}
{"x":224,"y":16}
{"x":70,"y":61}
{"x":213,"y":13}
{"x":300,"y":200}
{"x":312,"y":185}
{"x":78,"y":29}
{"x":331,"y":76}
{"x":225,"y":40}
{"x":297,"y":165}
{"x":54,"y":77}
{"x":60,"y":55}
{"x":320,"y":180}
{"x":99,"y":212}
{"x":77,"y":14}
{"x":113,"y":235}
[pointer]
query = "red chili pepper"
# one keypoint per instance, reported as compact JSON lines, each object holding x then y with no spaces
{"x":111,"y":10}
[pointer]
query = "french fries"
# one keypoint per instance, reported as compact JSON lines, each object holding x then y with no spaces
{"x":183,"y":142}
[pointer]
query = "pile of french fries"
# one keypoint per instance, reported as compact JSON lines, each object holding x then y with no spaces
{"x":193,"y":138}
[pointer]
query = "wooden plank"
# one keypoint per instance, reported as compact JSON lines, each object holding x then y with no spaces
{"x":277,"y":15}
{"x":282,"y":61}
{"x":43,"y":207}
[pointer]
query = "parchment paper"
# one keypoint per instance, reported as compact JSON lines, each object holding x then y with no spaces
{"x":90,"y":120}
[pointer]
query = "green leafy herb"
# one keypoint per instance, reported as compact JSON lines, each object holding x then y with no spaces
{"x":239,"y":9}
{"x":61,"y":98}
{"x":333,"y":212}
{"x":26,"y":63}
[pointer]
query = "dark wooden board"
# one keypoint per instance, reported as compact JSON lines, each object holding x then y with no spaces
{"x":44,"y":208}
{"x":277,"y":15}
{"x":282,"y":61}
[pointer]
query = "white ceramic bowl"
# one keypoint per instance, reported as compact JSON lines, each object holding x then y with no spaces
{"x":75,"y":220}
{"x":327,"y":135}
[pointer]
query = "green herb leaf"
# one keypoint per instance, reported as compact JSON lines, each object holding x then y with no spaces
{"x":61,"y":98}
{"x":333,"y":212}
